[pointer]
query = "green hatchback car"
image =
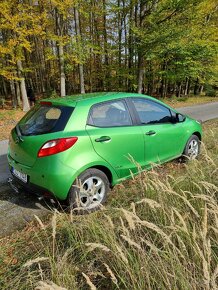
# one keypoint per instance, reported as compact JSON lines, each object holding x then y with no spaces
{"x":77,"y":148}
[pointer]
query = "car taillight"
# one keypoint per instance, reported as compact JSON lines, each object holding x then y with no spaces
{"x":46,"y":103}
{"x":56,"y":146}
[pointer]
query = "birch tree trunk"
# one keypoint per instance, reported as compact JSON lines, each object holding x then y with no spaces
{"x":186,"y":86}
{"x":81,"y":69}
{"x":25,"y":101}
{"x":130,"y":44}
{"x":63,"y":77}
{"x":60,"y":47}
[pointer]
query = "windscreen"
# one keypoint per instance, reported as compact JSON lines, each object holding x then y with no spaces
{"x":42,"y":119}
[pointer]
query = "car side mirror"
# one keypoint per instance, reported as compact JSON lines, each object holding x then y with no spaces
{"x":178,"y":118}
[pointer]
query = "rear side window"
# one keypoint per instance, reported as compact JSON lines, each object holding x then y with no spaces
{"x":110,"y":114}
{"x":44,"y":119}
{"x":150,"y":112}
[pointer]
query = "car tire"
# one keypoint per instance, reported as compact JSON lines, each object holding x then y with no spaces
{"x":89,"y":191}
{"x":192,"y":148}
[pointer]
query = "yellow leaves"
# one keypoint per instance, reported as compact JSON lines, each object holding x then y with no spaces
{"x":4,"y":50}
{"x":207,"y":6}
{"x":9,"y":73}
{"x":13,"y":42}
{"x":64,"y":6}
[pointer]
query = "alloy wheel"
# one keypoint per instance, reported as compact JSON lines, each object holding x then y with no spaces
{"x":193,"y":149}
{"x":91,"y":193}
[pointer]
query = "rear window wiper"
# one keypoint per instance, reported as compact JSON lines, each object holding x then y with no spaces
{"x":19,"y":133}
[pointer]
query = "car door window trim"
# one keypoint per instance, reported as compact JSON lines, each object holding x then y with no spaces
{"x":123,"y":100}
{"x":138,"y":121}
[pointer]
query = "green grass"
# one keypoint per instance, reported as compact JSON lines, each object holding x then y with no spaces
{"x":158,"y":231}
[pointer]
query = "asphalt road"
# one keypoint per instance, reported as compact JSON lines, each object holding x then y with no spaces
{"x":18,"y":209}
{"x":201,"y":112}
{"x":4,"y":172}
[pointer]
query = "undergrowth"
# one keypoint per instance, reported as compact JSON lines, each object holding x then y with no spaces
{"x":157,"y":231}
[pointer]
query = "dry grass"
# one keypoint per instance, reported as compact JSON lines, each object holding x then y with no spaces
{"x":8,"y":120}
{"x":158,"y":231}
{"x":189,"y":101}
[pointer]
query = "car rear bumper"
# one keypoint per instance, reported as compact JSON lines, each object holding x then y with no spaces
{"x":16,"y":184}
{"x":45,"y":177}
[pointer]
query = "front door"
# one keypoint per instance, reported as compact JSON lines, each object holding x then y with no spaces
{"x":162,"y":138}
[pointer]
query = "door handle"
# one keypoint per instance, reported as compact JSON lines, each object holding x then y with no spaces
{"x":149,"y":133}
{"x":103,"y":139}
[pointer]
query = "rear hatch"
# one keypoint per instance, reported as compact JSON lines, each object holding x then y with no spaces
{"x":43,"y":122}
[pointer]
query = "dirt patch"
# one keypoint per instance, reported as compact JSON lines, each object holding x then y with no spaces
{"x":8,"y":120}
{"x":191,"y":101}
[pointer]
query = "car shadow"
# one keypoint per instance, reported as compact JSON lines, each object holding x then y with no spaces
{"x":23,"y":199}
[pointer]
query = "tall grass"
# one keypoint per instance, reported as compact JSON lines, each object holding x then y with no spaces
{"x":157,"y":231}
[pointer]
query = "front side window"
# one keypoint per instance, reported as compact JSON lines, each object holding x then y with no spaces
{"x":110,"y":114}
{"x":150,"y":112}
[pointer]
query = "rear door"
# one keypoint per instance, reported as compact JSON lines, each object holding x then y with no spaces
{"x":162,"y":138}
{"x":114,"y":137}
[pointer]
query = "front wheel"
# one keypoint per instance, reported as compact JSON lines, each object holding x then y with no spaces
{"x":89,"y":191}
{"x":192,"y":148}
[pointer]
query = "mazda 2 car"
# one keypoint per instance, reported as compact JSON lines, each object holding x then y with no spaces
{"x":77,"y":148}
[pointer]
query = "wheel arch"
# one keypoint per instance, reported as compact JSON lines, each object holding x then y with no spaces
{"x":102,"y":166}
{"x":106,"y":171}
{"x":198,"y":134}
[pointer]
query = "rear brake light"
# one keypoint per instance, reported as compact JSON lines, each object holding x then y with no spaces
{"x":46,"y":103}
{"x":56,"y":146}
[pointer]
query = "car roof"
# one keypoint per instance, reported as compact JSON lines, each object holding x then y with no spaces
{"x":91,"y":98}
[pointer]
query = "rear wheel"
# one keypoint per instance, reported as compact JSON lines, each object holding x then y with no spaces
{"x":89,"y":191}
{"x":192,"y":148}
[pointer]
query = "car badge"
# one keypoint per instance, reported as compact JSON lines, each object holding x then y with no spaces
{"x":17,"y":140}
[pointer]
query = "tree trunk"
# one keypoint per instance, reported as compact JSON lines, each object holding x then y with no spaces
{"x":59,"y":27}
{"x":119,"y":44}
{"x":81,"y":69}
{"x":107,"y":80}
{"x":201,"y":89}
{"x":178,"y":93}
{"x":26,"y":105}
{"x":130,"y":44}
{"x":91,"y":32}
{"x":63,"y":77}
{"x":4,"y":87}
{"x":196,"y":87}
{"x":186,"y":86}
{"x":13,"y":95}
{"x":18,"y":93}
{"x":126,"y":81}
{"x":141,"y":71}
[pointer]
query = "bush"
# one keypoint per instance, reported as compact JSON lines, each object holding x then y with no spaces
{"x":182,"y":99}
{"x":210,"y":91}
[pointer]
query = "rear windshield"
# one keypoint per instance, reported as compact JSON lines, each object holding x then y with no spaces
{"x":42,"y":119}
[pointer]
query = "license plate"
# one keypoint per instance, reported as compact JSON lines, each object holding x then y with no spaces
{"x":20,"y":175}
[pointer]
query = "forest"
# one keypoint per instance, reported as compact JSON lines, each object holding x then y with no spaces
{"x":161,"y":48}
